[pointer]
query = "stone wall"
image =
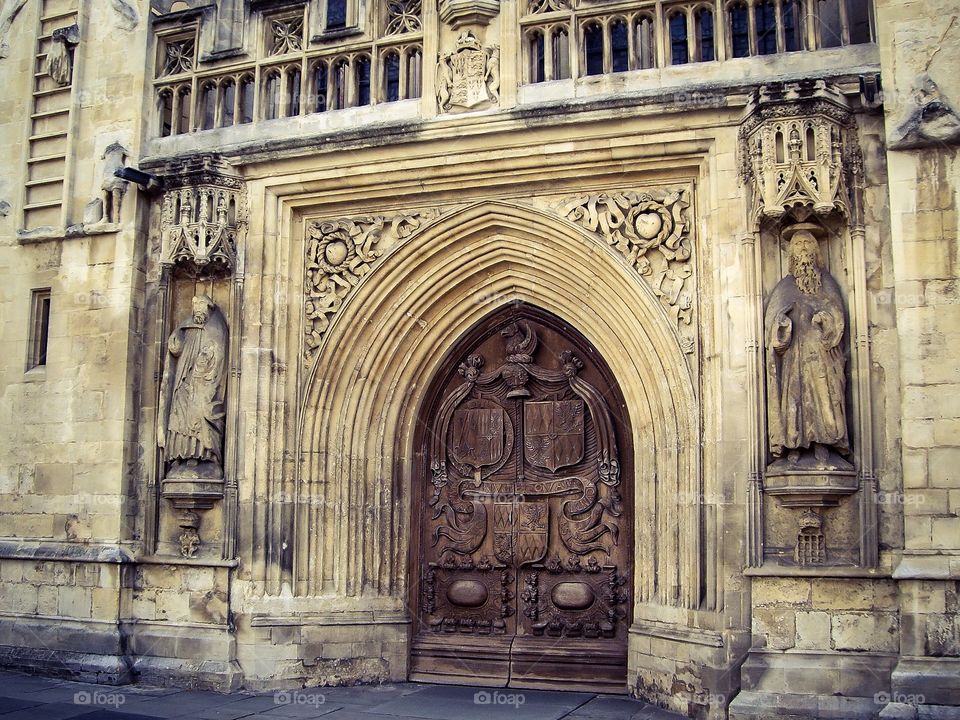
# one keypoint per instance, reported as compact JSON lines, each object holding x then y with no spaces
{"x":300,"y":573}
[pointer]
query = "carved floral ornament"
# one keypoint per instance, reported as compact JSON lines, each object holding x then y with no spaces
{"x":650,"y":229}
{"x":338,"y":254}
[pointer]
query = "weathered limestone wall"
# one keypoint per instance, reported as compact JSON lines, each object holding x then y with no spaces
{"x":66,"y":508}
{"x":919,"y":58}
{"x":306,"y":578}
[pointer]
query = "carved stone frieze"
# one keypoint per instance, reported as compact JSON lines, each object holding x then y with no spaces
{"x":338,"y":254}
{"x":798,"y":149}
{"x":652,"y":231}
{"x":203,"y":217}
{"x":469,"y":77}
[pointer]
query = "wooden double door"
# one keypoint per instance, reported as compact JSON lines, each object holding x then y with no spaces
{"x":522,"y":566}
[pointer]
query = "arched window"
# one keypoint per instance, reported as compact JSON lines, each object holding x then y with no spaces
{"x":739,"y":29}
{"x":246,"y":99}
{"x":679,"y":53}
{"x":645,"y":47}
{"x":560,"y":49}
{"x":338,"y":91}
{"x":536,"y":66}
{"x":811,"y":142}
{"x":593,"y":48}
{"x":292,"y":99}
{"x":271,"y":96}
{"x":619,"y":45}
{"x":793,"y":22}
{"x":165,"y":105}
{"x":320,"y":86}
{"x":228,"y":96}
{"x":208,"y":106}
{"x":765,"y":20}
{"x":859,"y":21}
{"x":336,"y":14}
{"x":391,"y":76}
{"x":361,"y":68}
{"x":414,"y":73}
{"x":829,"y":26}
{"x":779,"y":149}
{"x":704,"y":34}
{"x":183,"y":116}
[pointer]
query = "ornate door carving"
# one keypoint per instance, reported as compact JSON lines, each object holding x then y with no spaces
{"x":524,"y":551}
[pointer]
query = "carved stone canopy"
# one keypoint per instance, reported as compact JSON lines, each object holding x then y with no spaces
{"x":457,"y":13}
{"x":203,"y":217}
{"x":799,"y":151}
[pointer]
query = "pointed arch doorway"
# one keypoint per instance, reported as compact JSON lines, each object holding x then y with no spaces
{"x":522,"y":552}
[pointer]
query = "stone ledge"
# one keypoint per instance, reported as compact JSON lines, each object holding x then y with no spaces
{"x":359,"y":617}
{"x":817,"y":572}
{"x":12,"y":549}
{"x":937,"y":680}
{"x":942,"y":566}
{"x":678,"y":633}
{"x":44,"y":234}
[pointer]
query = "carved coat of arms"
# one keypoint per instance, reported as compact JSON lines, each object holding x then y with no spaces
{"x":553,"y":433}
{"x":477,"y":436}
{"x":469,"y":76}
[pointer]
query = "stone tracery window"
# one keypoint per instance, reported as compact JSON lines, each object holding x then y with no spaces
{"x":678,"y":38}
{"x":376,"y":60}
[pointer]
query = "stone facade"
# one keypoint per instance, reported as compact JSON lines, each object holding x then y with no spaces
{"x":355,"y":188}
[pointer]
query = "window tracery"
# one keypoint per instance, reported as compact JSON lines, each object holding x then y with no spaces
{"x":294,"y":72}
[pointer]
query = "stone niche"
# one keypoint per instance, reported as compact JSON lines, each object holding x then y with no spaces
{"x":202,"y":227}
{"x":813,"y":494}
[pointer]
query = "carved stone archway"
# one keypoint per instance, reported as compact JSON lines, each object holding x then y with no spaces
{"x":369,"y":381}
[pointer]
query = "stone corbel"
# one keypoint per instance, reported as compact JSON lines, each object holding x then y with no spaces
{"x":458,"y":13}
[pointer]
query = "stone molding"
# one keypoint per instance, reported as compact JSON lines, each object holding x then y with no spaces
{"x":398,"y":343}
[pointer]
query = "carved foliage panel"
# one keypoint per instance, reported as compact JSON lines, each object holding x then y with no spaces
{"x":338,"y":254}
{"x":652,"y":231}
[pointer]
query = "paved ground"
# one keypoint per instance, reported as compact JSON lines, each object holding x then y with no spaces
{"x":25,"y":696}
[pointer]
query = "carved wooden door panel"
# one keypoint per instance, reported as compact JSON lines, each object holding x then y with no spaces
{"x":524,"y":556}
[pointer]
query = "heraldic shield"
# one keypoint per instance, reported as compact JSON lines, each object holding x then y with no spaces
{"x":523,"y":543}
{"x":553,"y":433}
{"x":477,"y":436}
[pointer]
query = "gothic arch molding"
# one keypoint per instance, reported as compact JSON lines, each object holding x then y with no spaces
{"x":368,"y":383}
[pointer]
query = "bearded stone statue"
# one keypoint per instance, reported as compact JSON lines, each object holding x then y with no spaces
{"x":191,"y":407}
{"x":806,"y":376}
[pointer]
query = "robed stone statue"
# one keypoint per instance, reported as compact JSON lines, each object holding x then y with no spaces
{"x":806,"y":376}
{"x":191,"y":408}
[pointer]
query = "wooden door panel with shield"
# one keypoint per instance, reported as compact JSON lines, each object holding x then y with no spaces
{"x":524,"y":553}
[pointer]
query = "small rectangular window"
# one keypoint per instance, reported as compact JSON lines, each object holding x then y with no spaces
{"x":39,"y":328}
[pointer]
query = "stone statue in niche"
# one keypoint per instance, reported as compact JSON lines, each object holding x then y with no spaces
{"x":806,"y":374}
{"x":191,"y":407}
{"x":59,"y":65}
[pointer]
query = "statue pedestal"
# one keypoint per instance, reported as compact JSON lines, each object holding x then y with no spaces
{"x":807,"y":482}
{"x":192,"y":489}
